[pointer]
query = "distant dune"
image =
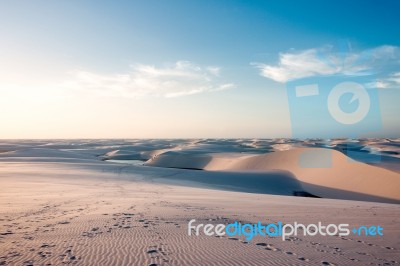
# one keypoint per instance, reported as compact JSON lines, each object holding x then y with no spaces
{"x":322,"y":172}
{"x":280,"y":166}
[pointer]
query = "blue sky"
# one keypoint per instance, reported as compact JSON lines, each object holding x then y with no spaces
{"x":129,"y":69}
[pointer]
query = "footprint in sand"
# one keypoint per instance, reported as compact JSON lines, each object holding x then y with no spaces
{"x":69,"y":259}
{"x":328,"y":263}
{"x":363,"y":253}
{"x":28,"y":263}
{"x":271,"y":248}
{"x":44,"y":254}
{"x":151,"y":251}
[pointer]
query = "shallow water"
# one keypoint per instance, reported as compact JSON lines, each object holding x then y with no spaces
{"x":131,"y":162}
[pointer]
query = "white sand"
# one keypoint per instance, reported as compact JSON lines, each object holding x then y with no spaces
{"x":65,"y":207}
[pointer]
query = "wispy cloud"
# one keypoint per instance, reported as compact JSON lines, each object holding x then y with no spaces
{"x":390,"y":82}
{"x":326,"y":61}
{"x":179,"y":79}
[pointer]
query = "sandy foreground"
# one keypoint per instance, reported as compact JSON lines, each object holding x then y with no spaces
{"x":58,"y":209}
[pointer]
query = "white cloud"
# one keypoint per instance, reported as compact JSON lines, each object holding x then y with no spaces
{"x":179,"y":79}
{"x":390,"y":82}
{"x":214,"y":70}
{"x":325,"y":61}
{"x":395,"y":78}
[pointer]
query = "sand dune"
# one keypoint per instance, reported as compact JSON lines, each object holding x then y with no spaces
{"x":45,"y":152}
{"x":62,"y":204}
{"x":344,"y":179}
{"x":200,"y":161}
{"x":273,"y":182}
{"x":323,"y":172}
{"x":66,"y":213}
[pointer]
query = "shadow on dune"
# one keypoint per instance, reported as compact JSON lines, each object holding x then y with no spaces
{"x":331,"y":193}
{"x":273,"y":182}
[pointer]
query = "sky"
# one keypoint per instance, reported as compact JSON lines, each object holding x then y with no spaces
{"x":198,"y":69}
